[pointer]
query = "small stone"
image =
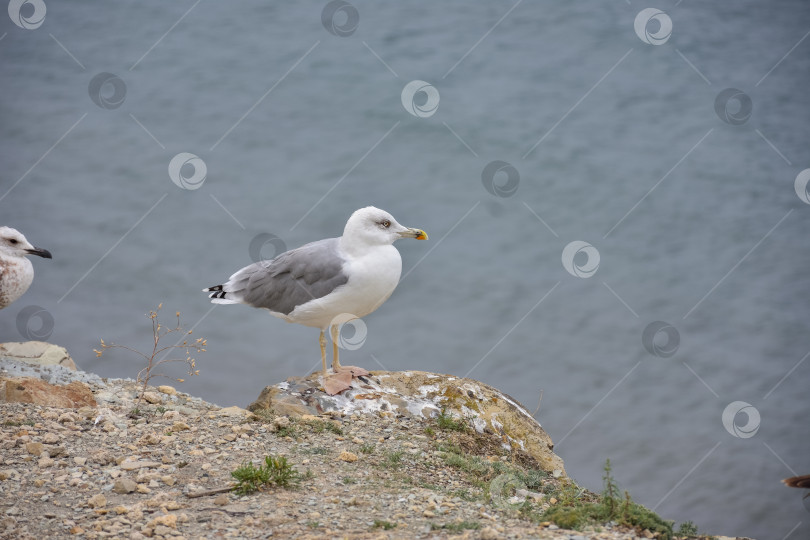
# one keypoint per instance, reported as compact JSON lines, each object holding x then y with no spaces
{"x":76,"y":530}
{"x":50,"y":438}
{"x":124,"y":485}
{"x":552,"y":501}
{"x":281,"y":421}
{"x":34,"y":448}
{"x":130,"y":464}
{"x":180,"y":426}
{"x":45,"y":462}
{"x":80,"y":461}
{"x":121,"y":510}
{"x":488,"y":533}
{"x":168,"y":480}
{"x":357,"y":440}
{"x":166,"y":520}
{"x":97,"y":501}
{"x":347,"y":456}
{"x":152,"y":397}
{"x":166,"y":389}
{"x":428,"y":514}
{"x":143,"y":489}
{"x":221,"y":500}
{"x":67,"y":417}
{"x":172,"y":505}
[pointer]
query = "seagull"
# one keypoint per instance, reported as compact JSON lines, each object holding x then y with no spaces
{"x":16,"y":272}
{"x":327,"y":283}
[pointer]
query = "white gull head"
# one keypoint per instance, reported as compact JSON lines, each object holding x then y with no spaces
{"x":16,"y":271}
{"x":371,"y":226}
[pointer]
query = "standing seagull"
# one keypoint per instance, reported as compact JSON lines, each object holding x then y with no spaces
{"x":16,"y":272}
{"x":327,"y":283}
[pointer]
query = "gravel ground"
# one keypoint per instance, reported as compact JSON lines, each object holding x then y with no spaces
{"x":103,"y":473}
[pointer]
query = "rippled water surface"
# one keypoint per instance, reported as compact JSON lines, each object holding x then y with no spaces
{"x":620,"y":137}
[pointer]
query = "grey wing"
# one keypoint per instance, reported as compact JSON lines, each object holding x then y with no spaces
{"x":294,"y":277}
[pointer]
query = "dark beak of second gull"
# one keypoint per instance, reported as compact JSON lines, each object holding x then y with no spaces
{"x":419,"y":234}
{"x":44,"y":253}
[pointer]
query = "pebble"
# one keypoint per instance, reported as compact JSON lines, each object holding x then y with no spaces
{"x":166,"y":389}
{"x":152,"y":397}
{"x":97,"y":501}
{"x":124,"y":485}
{"x":222,"y":500}
{"x":347,"y":456}
{"x":34,"y":448}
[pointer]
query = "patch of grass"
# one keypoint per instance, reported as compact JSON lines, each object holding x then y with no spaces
{"x":348,"y":480}
{"x":573,"y":510}
{"x":465,"y":495}
{"x":687,"y":528}
{"x":266,"y":416}
{"x":445,"y":422}
{"x":160,"y":409}
{"x":275,"y":471}
{"x":367,"y":448}
{"x":16,"y":423}
{"x":457,"y":526}
{"x":385,"y":525}
{"x":430,"y":432}
{"x":473,"y":465}
{"x":392,"y":460}
{"x":319,"y":426}
{"x":313,"y":524}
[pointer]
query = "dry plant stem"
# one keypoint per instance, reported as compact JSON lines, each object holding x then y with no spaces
{"x":146,"y":374}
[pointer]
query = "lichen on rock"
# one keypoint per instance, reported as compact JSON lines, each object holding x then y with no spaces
{"x":419,"y":394}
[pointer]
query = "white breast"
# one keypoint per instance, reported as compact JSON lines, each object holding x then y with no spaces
{"x":372,"y":278}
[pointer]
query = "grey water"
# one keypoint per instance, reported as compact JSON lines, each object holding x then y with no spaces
{"x":613,"y":134}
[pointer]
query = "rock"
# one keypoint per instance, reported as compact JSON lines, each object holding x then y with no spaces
{"x":50,"y":438}
{"x":129,"y":464}
{"x":180,"y":426}
{"x":234,"y":412}
{"x":166,"y":520}
{"x":102,"y":457}
{"x":222,"y":500}
{"x":488,"y":533}
{"x":97,"y":501}
{"x":45,"y":462}
{"x":80,"y":461}
{"x":37,"y":352}
{"x":34,"y":448}
{"x":347,"y":456}
{"x":38,"y":392}
{"x":124,"y":485}
{"x":166,"y":389}
{"x":152,"y":397}
{"x":420,"y":394}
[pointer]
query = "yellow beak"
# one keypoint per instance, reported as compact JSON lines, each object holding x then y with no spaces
{"x":419,"y":234}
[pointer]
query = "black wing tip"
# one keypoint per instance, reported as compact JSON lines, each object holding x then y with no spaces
{"x":216,"y":291}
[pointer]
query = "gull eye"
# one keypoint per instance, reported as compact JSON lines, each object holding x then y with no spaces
{"x":14,"y":241}
{"x":385,"y":223}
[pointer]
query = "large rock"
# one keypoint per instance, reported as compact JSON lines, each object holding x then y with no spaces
{"x":37,"y":352}
{"x":39,"y":392}
{"x":420,"y":394}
